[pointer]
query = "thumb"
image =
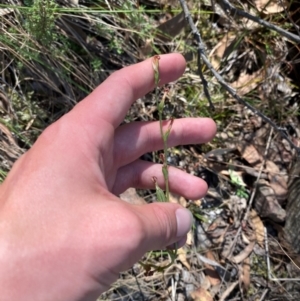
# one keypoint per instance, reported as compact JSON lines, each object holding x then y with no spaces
{"x":164,"y":224}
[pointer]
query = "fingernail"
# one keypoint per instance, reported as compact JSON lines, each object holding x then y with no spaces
{"x":184,"y":221}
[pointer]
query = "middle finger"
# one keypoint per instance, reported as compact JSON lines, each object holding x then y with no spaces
{"x":135,"y":139}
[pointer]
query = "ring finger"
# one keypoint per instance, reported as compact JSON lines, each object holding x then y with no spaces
{"x":135,"y":139}
{"x":139,"y":174}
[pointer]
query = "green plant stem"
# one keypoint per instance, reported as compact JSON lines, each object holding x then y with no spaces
{"x":160,"y":194}
{"x":165,"y":150}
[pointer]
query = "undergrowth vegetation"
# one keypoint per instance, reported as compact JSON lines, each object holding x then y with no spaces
{"x":55,"y":52}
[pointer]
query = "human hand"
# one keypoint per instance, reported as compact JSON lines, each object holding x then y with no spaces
{"x":64,"y":234}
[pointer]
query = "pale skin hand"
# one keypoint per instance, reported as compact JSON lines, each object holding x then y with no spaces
{"x":64,"y":234}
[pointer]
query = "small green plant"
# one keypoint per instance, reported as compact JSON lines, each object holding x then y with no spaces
{"x":96,"y":64}
{"x":196,"y":211}
{"x":40,"y":20}
{"x":3,"y":175}
{"x":162,"y":196}
{"x":239,"y":183}
{"x":116,"y":45}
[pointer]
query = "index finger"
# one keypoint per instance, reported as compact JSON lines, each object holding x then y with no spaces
{"x":112,"y":99}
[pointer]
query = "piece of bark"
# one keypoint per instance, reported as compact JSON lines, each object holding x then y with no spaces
{"x":292,"y":225}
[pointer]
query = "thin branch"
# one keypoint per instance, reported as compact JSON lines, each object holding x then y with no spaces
{"x":227,"y":87}
{"x":204,"y":82}
{"x":233,"y":11}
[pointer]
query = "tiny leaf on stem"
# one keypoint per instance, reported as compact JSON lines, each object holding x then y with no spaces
{"x":168,"y":131}
{"x":155,"y":66}
{"x":159,"y":192}
{"x":165,"y":172}
{"x":160,"y":106}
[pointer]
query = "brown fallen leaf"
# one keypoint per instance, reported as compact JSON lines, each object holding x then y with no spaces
{"x":270,"y":6}
{"x":190,"y":238}
{"x":266,"y":203}
{"x":130,"y":196}
{"x":245,"y":274}
{"x":217,"y":230}
{"x":174,"y":198}
{"x":258,"y":227}
{"x":250,"y":154}
{"x":197,"y":203}
{"x":243,"y":254}
{"x":210,"y":271}
{"x":181,"y":255}
{"x":278,"y":181}
{"x":246,"y":82}
{"x":218,"y":51}
{"x":201,"y":294}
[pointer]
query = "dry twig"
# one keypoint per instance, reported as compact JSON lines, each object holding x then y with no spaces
{"x":233,"y":11}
